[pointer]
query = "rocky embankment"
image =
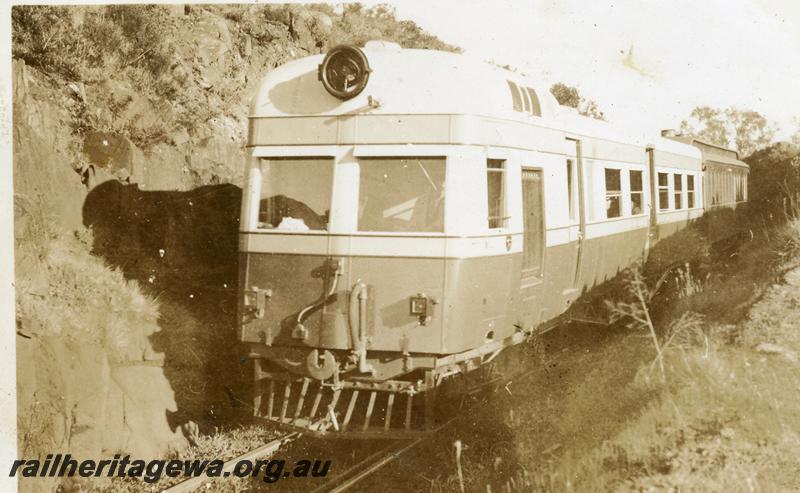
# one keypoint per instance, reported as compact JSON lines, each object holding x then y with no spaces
{"x":129,"y":128}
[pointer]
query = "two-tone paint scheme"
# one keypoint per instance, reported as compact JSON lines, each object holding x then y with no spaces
{"x":724,"y":186}
{"x":537,"y":204}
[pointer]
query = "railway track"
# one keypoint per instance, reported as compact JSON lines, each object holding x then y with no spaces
{"x":374,"y":461}
{"x":355,"y":472}
{"x":367,"y":466}
{"x":269,"y":448}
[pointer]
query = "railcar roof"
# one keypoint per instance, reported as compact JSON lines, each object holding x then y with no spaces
{"x":414,"y":81}
{"x":713,"y":152}
{"x":573,"y":123}
{"x":403,"y":81}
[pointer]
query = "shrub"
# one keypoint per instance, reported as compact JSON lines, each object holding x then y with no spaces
{"x":774,"y":181}
{"x":44,"y":37}
{"x":687,"y":245}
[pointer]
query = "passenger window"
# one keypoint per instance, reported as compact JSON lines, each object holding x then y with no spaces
{"x":678,"y":190}
{"x":712,"y":178}
{"x":533,"y":222}
{"x":401,"y":194}
{"x":295,"y":194}
{"x":613,"y":193}
{"x":663,"y":191}
{"x":690,"y":191}
{"x":739,"y":188}
{"x":495,"y":177}
{"x":637,"y":193}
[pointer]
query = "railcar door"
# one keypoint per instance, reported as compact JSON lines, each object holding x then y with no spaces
{"x":533,"y":231}
{"x":577,"y":199}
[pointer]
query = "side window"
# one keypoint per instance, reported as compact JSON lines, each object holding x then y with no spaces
{"x":663,"y":191}
{"x":690,"y":191}
{"x":739,"y":188}
{"x":613,"y":193}
{"x":533,"y":222}
{"x":728,"y":186}
{"x":637,"y":193}
{"x":495,"y":178}
{"x":744,"y":187}
{"x":714,"y":187}
{"x":678,"y":190}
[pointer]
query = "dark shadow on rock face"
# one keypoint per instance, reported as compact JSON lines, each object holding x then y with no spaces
{"x":181,"y":247}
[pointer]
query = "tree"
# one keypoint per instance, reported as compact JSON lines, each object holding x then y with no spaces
{"x":569,"y":96}
{"x":774,"y":182}
{"x":796,"y":136}
{"x":741,"y":129}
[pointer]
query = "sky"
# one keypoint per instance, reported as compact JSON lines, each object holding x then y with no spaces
{"x":647,"y":63}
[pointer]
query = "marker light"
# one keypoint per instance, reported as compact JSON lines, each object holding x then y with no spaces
{"x":344,"y":72}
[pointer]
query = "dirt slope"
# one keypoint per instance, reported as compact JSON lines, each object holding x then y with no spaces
{"x":129,"y":125}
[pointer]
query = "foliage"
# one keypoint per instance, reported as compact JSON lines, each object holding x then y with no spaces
{"x":94,"y":46}
{"x":224,"y":444}
{"x":358,"y":24}
{"x":76,"y":296}
{"x":687,"y":245}
{"x":569,"y":96}
{"x":43,"y":37}
{"x":56,"y":40}
{"x":741,"y":129}
{"x":687,"y":284}
{"x":724,"y":418}
{"x":774,"y":181}
{"x":109,"y":53}
{"x":635,"y":308}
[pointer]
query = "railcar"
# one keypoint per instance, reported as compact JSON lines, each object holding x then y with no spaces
{"x":409,"y":214}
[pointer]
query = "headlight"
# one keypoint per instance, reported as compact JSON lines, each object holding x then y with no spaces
{"x":344,"y":72}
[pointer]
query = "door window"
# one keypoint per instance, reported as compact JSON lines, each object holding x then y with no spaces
{"x":495,"y":178}
{"x":533,"y":207}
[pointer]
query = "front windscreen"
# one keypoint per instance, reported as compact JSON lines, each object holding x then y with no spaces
{"x":295,"y":194}
{"x":401,"y":194}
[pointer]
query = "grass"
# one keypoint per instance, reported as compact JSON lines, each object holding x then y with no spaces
{"x":599,"y":417}
{"x":75,"y":295}
{"x":224,"y":444}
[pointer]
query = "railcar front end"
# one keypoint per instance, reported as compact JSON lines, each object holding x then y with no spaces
{"x":351,"y":270}
{"x":374,"y":263}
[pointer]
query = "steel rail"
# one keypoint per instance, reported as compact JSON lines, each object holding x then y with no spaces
{"x":268,"y":448}
{"x":365,"y":467}
{"x":375,"y":461}
{"x":351,"y":475}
